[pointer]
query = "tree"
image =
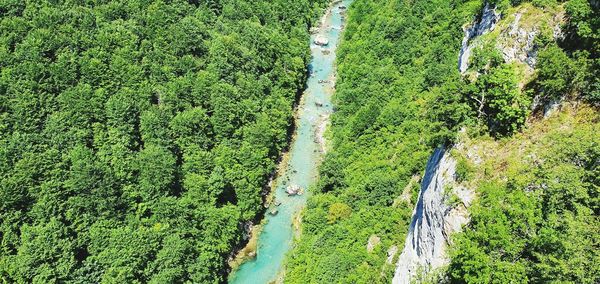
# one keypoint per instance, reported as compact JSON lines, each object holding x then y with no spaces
{"x":555,"y":72}
{"x":338,"y":211}
{"x":45,"y":254}
{"x":156,"y":167}
{"x":192,"y":127}
{"x":500,"y":100}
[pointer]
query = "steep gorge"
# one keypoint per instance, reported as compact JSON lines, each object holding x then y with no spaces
{"x":433,"y":218}
{"x":138,"y":139}
{"x":516,"y":35}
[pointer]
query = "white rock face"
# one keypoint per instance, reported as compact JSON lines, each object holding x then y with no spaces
{"x":551,"y":107}
{"x":517,"y":41}
{"x":521,"y":45}
{"x":489,"y":19}
{"x":433,"y":220}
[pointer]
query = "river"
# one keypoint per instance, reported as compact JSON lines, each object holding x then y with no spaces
{"x":306,"y":151}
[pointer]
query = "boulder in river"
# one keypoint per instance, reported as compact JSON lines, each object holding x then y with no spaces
{"x":321,"y":40}
{"x":293,"y":190}
{"x":273,"y":211}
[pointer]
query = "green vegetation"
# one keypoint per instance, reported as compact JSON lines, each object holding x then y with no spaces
{"x":537,"y":215}
{"x":464,"y":168}
{"x":581,"y":70}
{"x":536,"y":219}
{"x":498,"y":99}
{"x":137,"y":136}
{"x":399,"y":95}
{"x":555,"y":71}
{"x":136,"y":139}
{"x":560,"y":74}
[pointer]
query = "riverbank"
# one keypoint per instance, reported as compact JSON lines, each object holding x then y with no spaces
{"x":248,"y":252}
{"x":262,"y":258}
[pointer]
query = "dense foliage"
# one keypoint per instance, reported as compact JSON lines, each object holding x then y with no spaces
{"x":399,"y":95}
{"x":136,"y":136}
{"x":498,"y":100}
{"x":538,"y":214}
{"x":537,"y":217}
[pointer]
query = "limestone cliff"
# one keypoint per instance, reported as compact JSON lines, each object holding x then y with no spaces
{"x":435,"y":218}
{"x":512,"y":33}
{"x":486,"y":23}
{"x":441,"y":209}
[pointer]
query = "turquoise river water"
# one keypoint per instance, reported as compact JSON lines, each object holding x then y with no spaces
{"x":276,"y":237}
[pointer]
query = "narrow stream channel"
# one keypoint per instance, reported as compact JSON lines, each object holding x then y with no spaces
{"x":307,"y":148}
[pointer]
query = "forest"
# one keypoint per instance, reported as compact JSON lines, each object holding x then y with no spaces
{"x":400,"y":95}
{"x":136,"y":137}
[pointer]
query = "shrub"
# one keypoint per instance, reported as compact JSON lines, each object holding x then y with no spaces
{"x":338,"y":211}
{"x":554,"y":72}
{"x":464,"y":169}
{"x":499,"y":100}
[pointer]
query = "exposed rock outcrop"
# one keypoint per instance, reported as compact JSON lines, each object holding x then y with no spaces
{"x":517,"y":40}
{"x":488,"y":20}
{"x":434,"y":220}
{"x":514,"y":36}
{"x":373,"y":241}
{"x":520,"y":47}
{"x":391,"y":253}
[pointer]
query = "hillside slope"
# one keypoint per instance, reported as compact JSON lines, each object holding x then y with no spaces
{"x":536,"y":218}
{"x":397,"y":99}
{"x":137,"y":137}
{"x":400,"y":95}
